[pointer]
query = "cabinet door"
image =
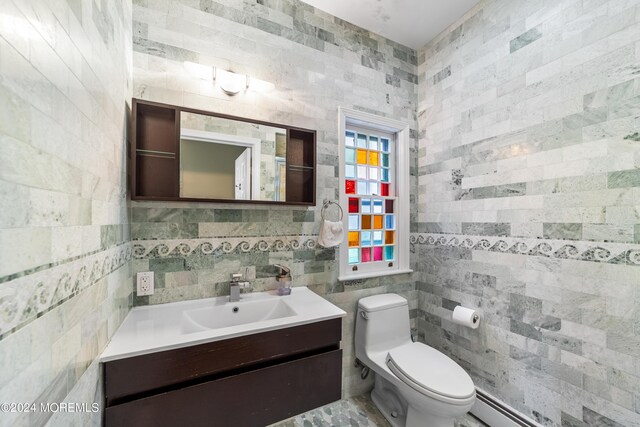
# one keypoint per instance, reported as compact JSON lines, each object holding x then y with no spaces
{"x":142,"y":375}
{"x":252,"y":399}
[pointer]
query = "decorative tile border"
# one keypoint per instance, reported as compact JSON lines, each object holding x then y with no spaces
{"x":612,"y":253}
{"x":25,"y":298}
{"x":143,"y":249}
{"x":43,"y":267}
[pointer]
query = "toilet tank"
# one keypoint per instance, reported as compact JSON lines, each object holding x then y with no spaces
{"x":382,"y":322}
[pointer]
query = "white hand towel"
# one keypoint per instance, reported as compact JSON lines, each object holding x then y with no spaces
{"x":331,"y":234}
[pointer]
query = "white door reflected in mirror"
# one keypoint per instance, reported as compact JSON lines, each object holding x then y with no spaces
{"x":243,"y":175}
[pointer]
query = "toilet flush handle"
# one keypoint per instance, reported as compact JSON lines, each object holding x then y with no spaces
{"x":364,"y":315}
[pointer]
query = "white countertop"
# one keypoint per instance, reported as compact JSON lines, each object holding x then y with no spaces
{"x":161,"y":327}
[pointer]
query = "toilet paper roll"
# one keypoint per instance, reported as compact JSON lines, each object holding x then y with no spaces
{"x":466,"y":317}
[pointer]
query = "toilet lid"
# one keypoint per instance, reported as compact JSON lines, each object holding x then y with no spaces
{"x":423,"y":367}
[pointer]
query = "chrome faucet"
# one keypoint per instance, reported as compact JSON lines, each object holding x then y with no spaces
{"x":284,"y":274}
{"x":235,"y":285}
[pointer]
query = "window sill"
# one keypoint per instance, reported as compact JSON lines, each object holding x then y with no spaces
{"x":359,"y":276}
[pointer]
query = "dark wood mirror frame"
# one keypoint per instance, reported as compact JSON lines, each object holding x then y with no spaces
{"x":155,"y":156}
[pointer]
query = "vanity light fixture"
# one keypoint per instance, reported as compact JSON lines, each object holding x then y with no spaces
{"x":231,"y":83}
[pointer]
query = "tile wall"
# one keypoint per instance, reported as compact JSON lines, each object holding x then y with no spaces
{"x":529,"y":204}
{"x":316,"y":63}
{"x":65,"y":286}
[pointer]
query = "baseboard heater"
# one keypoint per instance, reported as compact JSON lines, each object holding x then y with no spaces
{"x":497,"y":414}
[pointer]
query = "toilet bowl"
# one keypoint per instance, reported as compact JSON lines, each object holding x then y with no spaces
{"x":415,"y":385}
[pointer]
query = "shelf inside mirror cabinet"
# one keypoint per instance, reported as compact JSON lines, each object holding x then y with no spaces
{"x":300,"y":165}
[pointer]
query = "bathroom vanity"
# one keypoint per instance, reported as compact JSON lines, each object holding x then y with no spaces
{"x":215,"y":363}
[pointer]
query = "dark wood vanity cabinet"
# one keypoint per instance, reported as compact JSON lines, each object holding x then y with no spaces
{"x":254,"y":380}
{"x":155,"y":153}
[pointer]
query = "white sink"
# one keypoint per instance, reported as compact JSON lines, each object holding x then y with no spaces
{"x":234,"y":314}
{"x":180,"y":324}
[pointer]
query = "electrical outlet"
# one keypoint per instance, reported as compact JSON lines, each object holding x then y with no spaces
{"x":144,"y":281}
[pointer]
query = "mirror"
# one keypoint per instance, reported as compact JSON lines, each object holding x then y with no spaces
{"x":221,"y":158}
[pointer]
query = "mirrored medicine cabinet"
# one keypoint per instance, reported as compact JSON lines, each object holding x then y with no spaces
{"x":184,"y":154}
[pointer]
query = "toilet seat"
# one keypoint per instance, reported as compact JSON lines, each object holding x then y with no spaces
{"x":430,"y":372}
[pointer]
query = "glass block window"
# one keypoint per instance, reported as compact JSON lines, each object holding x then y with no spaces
{"x":374,"y":185}
{"x":372,"y":199}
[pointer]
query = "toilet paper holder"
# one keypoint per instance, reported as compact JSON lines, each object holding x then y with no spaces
{"x":466,"y":317}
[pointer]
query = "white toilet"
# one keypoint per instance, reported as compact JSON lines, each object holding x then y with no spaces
{"x":415,"y":385}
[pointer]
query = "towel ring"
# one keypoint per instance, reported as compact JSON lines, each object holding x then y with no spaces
{"x":328,"y":203}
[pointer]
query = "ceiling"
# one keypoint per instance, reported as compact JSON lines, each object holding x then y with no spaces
{"x":412,"y":23}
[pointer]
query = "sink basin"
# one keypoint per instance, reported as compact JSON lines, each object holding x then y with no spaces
{"x":233,"y":314}
{"x":161,"y":327}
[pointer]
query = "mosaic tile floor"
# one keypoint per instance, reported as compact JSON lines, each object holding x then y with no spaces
{"x":355,"y":412}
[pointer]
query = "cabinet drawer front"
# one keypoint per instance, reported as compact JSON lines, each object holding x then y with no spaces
{"x":141,"y":374}
{"x":255,"y":398}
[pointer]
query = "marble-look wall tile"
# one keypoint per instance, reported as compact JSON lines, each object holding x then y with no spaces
{"x":564,"y":230}
{"x":65,"y":275}
{"x":47,"y":358}
{"x":525,"y":39}
{"x":528,"y":193}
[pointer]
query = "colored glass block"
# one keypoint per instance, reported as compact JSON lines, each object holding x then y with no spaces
{"x":377,"y":237}
{"x":350,"y":155}
{"x":365,"y":238}
{"x":366,"y":206}
{"x":366,"y":254}
{"x":371,"y":221}
{"x":354,"y":205}
{"x":374,"y":158}
{"x":349,"y":186}
{"x":374,"y":173}
{"x":362,"y":141}
{"x":362,"y":187}
{"x":354,"y":222}
{"x":362,"y":157}
{"x":349,"y":171}
{"x":377,"y":222}
{"x":377,"y":206}
{"x":389,"y":237}
{"x":354,"y":238}
{"x":373,"y":143}
{"x":390,"y":222}
{"x":354,"y":255}
{"x":377,"y":253}
{"x":349,"y":139}
{"x":388,"y":206}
